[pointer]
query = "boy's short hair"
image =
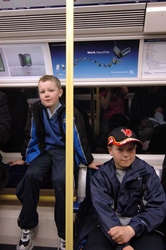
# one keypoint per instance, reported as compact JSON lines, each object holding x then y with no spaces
{"x":122,"y":135}
{"x":51,"y":78}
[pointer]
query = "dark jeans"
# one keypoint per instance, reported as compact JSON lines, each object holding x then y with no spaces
{"x":28,"y":189}
{"x":152,"y":241}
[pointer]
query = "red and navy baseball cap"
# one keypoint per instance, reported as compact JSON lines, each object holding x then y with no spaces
{"x":122,"y":135}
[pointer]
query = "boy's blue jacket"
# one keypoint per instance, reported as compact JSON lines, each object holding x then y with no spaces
{"x":140,"y":196}
{"x":35,"y":134}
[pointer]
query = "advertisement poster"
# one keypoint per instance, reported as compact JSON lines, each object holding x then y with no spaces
{"x":98,"y":59}
{"x":154,"y":58}
{"x":22,"y":60}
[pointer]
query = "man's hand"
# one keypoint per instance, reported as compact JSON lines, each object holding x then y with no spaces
{"x":94,"y":165}
{"x":121,"y":234}
{"x":18,"y":162}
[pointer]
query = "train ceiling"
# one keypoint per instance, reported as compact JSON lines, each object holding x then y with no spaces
{"x":89,"y":21}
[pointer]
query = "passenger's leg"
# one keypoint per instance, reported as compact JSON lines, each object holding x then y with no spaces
{"x":58,"y":178}
{"x":150,"y":241}
{"x":97,"y":241}
{"x":28,"y":191}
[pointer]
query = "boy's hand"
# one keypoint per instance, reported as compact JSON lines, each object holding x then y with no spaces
{"x":121,"y":234}
{"x":94,"y":165}
{"x":18,"y":162}
{"x":159,"y":109}
{"x":128,"y":248}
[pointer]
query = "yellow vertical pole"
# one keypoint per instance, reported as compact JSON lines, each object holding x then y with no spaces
{"x":69,"y":124}
{"x":97,"y":111}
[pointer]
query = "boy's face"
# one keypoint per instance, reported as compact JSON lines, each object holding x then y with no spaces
{"x":124,"y":155}
{"x":49,"y":94}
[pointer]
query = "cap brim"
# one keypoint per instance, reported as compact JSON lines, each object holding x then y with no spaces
{"x":123,"y":142}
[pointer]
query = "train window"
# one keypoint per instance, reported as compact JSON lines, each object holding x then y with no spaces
{"x":144,"y":111}
{"x":148,"y":117}
{"x":18,"y":108}
{"x":144,"y":108}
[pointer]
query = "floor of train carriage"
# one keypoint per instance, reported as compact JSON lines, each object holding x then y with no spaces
{"x":13,"y":247}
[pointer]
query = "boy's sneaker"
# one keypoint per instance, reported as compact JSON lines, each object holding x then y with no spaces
{"x":62,"y":244}
{"x":26,"y":241}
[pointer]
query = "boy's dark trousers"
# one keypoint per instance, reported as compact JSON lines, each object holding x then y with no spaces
{"x":28,"y":189}
{"x":151,"y":241}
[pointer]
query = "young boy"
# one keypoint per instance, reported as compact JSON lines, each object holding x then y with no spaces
{"x":128,"y":199}
{"x":44,"y":151}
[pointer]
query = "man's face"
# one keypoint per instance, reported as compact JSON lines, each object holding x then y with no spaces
{"x":123,"y":155}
